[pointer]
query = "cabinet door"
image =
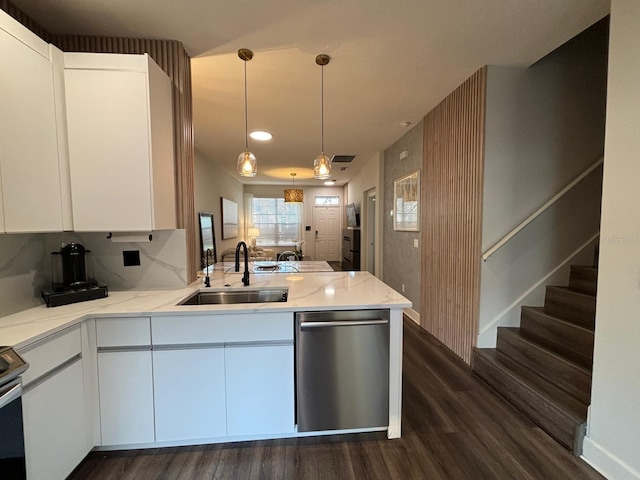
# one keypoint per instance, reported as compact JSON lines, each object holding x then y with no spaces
{"x":54,"y":425}
{"x":109,"y":152}
{"x":260,"y":391}
{"x":31,"y":197}
{"x":126,"y":397}
{"x":189,"y":394}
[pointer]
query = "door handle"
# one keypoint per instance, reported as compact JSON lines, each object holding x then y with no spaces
{"x":342,"y":323}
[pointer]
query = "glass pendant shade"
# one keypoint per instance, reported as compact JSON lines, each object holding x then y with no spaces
{"x":247,"y":165}
{"x":322,"y":163}
{"x":322,"y":167}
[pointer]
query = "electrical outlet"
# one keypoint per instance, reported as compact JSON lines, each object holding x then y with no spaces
{"x":415,"y":242}
{"x":131,"y":258}
{"x":403,"y":288}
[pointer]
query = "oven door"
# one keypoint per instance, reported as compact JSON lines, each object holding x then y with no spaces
{"x":12,"y":455}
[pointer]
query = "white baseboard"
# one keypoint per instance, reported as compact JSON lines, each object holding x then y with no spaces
{"x":606,"y":462}
{"x":412,"y":314}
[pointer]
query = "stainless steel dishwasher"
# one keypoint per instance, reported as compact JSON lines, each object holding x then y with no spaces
{"x":342,"y":369}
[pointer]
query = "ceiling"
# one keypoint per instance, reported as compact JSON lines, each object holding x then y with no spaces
{"x":391,"y":62}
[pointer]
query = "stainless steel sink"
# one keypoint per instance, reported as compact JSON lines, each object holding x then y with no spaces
{"x":227,"y":297}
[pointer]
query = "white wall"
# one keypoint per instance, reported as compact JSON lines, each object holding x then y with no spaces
{"x":544,"y":126}
{"x":612,"y":443}
{"x":307,"y":212}
{"x":402,"y":260}
{"x":211,"y":184}
{"x":369,"y":177}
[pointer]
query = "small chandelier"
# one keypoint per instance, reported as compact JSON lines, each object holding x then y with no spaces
{"x":322,"y":163}
{"x":293,"y":194}
{"x":247,"y":166}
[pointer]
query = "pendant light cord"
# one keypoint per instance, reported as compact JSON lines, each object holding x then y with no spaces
{"x":246,"y":121}
{"x":322,"y":110}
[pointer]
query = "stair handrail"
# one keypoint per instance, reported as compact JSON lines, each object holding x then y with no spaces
{"x":539,"y":211}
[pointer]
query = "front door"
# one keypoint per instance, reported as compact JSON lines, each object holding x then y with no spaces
{"x":327,"y":235}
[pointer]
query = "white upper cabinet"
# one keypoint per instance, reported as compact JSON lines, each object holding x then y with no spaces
{"x":120,"y":131}
{"x":30,"y":185}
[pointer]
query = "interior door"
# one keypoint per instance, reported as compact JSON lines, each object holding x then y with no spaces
{"x":326,"y":220}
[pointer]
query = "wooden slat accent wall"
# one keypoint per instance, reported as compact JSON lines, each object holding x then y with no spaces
{"x":10,"y":8}
{"x":451,"y":217}
{"x":171,"y":56}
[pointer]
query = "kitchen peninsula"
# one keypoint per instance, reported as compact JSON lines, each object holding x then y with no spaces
{"x":137,"y":369}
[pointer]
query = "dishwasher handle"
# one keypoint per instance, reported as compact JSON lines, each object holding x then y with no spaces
{"x":341,"y":323}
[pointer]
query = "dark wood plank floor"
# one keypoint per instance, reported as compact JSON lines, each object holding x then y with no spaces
{"x":454,"y":427}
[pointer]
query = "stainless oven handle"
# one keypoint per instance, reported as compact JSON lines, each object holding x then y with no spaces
{"x":10,"y":392}
{"x":341,"y":323}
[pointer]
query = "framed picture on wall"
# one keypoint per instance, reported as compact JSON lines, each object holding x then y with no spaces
{"x":406,"y":202}
{"x":229,"y":219}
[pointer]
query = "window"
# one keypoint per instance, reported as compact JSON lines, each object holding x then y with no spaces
{"x":279,"y":222}
{"x":327,"y":200}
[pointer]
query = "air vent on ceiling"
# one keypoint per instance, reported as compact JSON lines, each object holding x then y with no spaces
{"x":342,"y":158}
{"x":344,"y":169}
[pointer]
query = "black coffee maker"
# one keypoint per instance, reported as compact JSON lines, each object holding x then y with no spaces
{"x":72,"y":277}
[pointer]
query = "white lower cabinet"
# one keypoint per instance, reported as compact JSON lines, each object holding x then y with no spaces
{"x":189,"y":387}
{"x":260,"y":389}
{"x":185,"y":378}
{"x":126,"y":397}
{"x":54,"y":425}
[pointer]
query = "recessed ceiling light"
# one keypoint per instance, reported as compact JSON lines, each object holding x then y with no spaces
{"x":261,"y":135}
{"x":330,"y":182}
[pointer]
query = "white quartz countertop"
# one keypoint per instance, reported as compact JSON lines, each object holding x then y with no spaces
{"x":325,"y":290}
{"x":265,"y":266}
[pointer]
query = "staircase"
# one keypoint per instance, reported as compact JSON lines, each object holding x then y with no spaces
{"x":544,"y":366}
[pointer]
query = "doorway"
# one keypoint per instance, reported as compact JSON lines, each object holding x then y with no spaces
{"x":326,"y":220}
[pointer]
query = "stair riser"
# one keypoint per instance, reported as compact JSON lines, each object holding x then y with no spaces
{"x":570,"y":378}
{"x":584,"y":280}
{"x":572,"y":341}
{"x":574,"y":307}
{"x":546,"y":415}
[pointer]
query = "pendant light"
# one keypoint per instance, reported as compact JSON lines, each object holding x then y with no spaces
{"x":322,"y":163}
{"x":247,"y":165}
{"x":293,"y":194}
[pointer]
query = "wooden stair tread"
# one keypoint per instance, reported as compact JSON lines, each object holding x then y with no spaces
{"x":584,"y":278}
{"x":571,"y":305}
{"x":543,"y":312}
{"x":571,"y":405}
{"x":544,"y":366}
{"x":567,"y":375}
{"x":558,"y":413}
{"x":572,"y":341}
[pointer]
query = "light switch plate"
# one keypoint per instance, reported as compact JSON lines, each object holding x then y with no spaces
{"x":131,"y":258}
{"x":415,"y":242}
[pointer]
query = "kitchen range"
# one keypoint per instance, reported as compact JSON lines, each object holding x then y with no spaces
{"x":12,"y":451}
{"x":254,"y":369}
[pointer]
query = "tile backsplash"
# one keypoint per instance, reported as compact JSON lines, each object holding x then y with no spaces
{"x":25,"y":264}
{"x":21,"y":272}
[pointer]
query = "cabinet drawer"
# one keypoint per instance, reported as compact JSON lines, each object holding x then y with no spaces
{"x":49,"y":353}
{"x":123,"y":332}
{"x":225,"y":328}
